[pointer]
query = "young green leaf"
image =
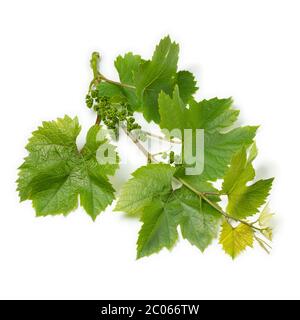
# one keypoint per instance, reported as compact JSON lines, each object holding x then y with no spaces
{"x":55,"y":173}
{"x":244,"y":200}
{"x":236,"y":240}
{"x":156,"y":75}
{"x":127,"y":66}
{"x":199,"y":221}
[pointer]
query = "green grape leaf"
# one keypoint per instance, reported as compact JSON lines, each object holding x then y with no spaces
{"x":187,"y":85}
{"x":212,"y":116}
{"x":155,"y":76}
{"x":150,"y":195}
{"x":159,"y":230}
{"x":127,"y":66}
{"x":244,"y":200}
{"x":199,"y":221}
{"x":241,"y":171}
{"x":235,"y":240}
{"x":55,"y":173}
{"x":148,"y":182}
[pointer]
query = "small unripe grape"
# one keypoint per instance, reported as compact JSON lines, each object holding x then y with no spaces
{"x":89,"y":101}
{"x":94,"y":94}
{"x":172,"y":155}
{"x":142,"y":136}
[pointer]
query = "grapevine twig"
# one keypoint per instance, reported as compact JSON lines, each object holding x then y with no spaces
{"x":98,"y":120}
{"x":156,"y":136}
{"x":139,"y":145}
{"x":102,"y":77}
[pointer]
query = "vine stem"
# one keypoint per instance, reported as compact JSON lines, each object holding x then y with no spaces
{"x":98,"y":120}
{"x":124,"y":85}
{"x":156,"y":136}
{"x":136,"y":141}
{"x":203,"y":195}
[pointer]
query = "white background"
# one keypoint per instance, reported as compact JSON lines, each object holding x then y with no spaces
{"x":246,"y":49}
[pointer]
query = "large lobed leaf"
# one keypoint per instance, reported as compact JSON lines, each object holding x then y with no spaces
{"x":149,"y":194}
{"x":55,"y":173}
{"x":214,"y":116}
{"x":156,"y":75}
{"x":159,"y":230}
